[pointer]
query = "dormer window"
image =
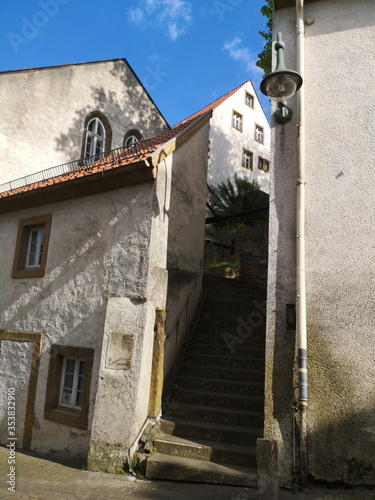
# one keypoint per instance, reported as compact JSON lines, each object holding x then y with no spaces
{"x":95,"y":140}
{"x":132,"y":137}
{"x":97,"y":137}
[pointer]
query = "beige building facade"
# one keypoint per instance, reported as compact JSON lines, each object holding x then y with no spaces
{"x":339,"y":38}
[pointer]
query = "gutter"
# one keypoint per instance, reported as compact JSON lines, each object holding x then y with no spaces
{"x":300,"y":250}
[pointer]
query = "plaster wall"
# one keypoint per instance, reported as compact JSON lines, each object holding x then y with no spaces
{"x":44,"y":110}
{"x":340,"y":262}
{"x":15,"y":367}
{"x":185,"y":249}
{"x":227,"y":143}
{"x":95,"y":282}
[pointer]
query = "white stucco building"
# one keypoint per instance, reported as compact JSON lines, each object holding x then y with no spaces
{"x":93,"y":252}
{"x":339,"y":39}
{"x":239,"y":137}
{"x":47,"y":110}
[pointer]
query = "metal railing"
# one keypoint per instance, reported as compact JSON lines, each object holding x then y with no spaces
{"x":126,"y":152}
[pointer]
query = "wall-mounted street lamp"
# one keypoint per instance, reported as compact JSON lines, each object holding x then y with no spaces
{"x":281,"y":84}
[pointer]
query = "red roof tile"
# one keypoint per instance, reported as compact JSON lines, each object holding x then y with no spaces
{"x":132,"y":154}
{"x":213,"y":104}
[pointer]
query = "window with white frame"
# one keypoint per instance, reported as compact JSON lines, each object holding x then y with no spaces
{"x":259,"y":133}
{"x":247,"y":159}
{"x":68,"y":385}
{"x":263,"y":164}
{"x":237,"y":121}
{"x":30,"y":254}
{"x":132,"y":139}
{"x":72,"y":383}
{"x":249,"y":100}
{"x":35,"y":248}
{"x":95,"y":139}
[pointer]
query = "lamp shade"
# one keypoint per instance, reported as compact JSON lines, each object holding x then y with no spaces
{"x":281,"y":86}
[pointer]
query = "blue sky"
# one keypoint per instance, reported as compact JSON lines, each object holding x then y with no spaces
{"x":187,"y":53}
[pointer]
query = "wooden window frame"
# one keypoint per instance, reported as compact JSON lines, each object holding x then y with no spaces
{"x":234,"y":112}
{"x":19,"y":263}
{"x":252,"y":98}
{"x":52,"y":409}
{"x":262,"y":162}
{"x":255,"y":133}
{"x":244,"y":151}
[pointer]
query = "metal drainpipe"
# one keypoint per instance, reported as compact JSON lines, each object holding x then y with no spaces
{"x":301,"y":281}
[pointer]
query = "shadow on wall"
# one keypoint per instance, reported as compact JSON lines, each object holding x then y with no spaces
{"x":126,"y":110}
{"x":341,"y":434}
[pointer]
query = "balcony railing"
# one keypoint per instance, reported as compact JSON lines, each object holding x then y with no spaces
{"x":127,"y":152}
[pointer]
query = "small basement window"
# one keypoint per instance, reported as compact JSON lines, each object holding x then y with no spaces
{"x":31,"y":248}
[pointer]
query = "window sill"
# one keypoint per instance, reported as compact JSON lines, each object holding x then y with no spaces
{"x":72,"y":418}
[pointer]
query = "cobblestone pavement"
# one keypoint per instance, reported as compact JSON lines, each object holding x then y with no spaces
{"x":39,"y":479}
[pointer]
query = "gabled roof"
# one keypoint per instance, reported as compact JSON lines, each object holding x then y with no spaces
{"x":129,"y":165}
{"x":214,"y":104}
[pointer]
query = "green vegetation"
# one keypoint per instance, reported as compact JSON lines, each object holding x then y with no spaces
{"x":265,"y":57}
{"x":235,"y":198}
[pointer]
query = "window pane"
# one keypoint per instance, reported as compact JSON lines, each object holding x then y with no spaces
{"x":91,"y":126}
{"x":100,"y":129}
{"x":79,"y":399}
{"x":82,"y":368}
{"x":69,"y":367}
{"x":89,"y":145}
{"x":68,"y":381}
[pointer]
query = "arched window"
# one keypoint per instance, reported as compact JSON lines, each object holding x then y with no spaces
{"x":95,"y":139}
{"x":132,"y":137}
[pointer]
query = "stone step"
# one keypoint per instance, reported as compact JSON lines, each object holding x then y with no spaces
{"x":245,"y":436}
{"x":253,"y":374}
{"x":160,"y":466}
{"x":211,"y":398}
{"x":223,"y":350}
{"x":240,"y":386}
{"x":225,"y":361}
{"x":217,"y":337}
{"x":218,"y":326}
{"x":214,"y":414}
{"x":206,"y":450}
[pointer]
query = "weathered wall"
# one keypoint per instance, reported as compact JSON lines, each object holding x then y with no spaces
{"x":226,"y":143}
{"x":186,"y":212}
{"x":44,"y":110}
{"x":95,"y":281}
{"x":340,"y":210}
{"x":15,"y":367}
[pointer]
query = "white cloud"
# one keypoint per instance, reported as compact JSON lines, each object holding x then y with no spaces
{"x":242,"y":55}
{"x":172,"y":16}
{"x":136,"y":15}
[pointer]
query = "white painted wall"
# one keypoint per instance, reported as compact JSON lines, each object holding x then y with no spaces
{"x":226,"y":143}
{"x":44,"y":110}
{"x":96,"y":274}
{"x":340,"y":211}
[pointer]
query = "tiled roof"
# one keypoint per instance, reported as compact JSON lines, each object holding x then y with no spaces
{"x":130,"y":155}
{"x":213,"y":104}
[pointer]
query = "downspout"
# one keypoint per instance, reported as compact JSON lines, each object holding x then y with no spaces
{"x":300,"y":250}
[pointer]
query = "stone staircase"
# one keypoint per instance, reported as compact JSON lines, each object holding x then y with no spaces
{"x":215,"y":411}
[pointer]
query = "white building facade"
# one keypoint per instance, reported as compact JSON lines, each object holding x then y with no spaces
{"x":339,"y":38}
